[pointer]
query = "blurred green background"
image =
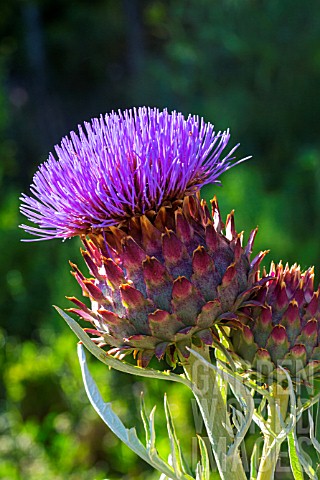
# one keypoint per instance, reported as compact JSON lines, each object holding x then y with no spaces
{"x":251,"y":65}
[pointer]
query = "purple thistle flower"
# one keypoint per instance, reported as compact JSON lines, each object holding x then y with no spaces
{"x":123,"y":165}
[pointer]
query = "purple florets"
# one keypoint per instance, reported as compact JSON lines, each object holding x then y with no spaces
{"x":124,"y":164}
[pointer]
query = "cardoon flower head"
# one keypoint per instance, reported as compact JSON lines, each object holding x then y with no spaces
{"x":120,"y":166}
{"x":165,"y":272}
{"x":283,"y":328}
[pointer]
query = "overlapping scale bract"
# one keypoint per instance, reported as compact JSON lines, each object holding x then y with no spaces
{"x":283,"y":329}
{"x":163,"y":281}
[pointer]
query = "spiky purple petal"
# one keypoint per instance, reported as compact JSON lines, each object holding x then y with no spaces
{"x":121,"y":165}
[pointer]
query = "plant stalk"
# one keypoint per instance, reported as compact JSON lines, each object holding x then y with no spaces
{"x":214,"y":412}
{"x":271,"y":449}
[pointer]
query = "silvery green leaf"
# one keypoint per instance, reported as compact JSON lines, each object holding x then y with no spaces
{"x":317,"y":426}
{"x":294,"y":459}
{"x":254,"y":460}
{"x":174,"y":444}
{"x":152,"y":446}
{"x":114,"y":362}
{"x":145,"y":420}
{"x":148,"y":424}
{"x":287,"y":424}
{"x":222,"y":347}
{"x":205,"y":462}
{"x":291,"y":422}
{"x":245,"y":400}
{"x":198,"y":471}
{"x":262,"y":405}
{"x":243,"y":396}
{"x":237,"y":417}
{"x":261,"y":422}
{"x":164,"y":477}
{"x":127,"y":436}
{"x":298,"y":458}
{"x":223,"y":385}
{"x":309,"y":403}
{"x":251,"y":384}
{"x":314,"y":441}
{"x":258,"y":415}
{"x":177,"y":461}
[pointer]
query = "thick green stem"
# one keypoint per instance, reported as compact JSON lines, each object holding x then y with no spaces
{"x":214,"y":412}
{"x":271,"y":449}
